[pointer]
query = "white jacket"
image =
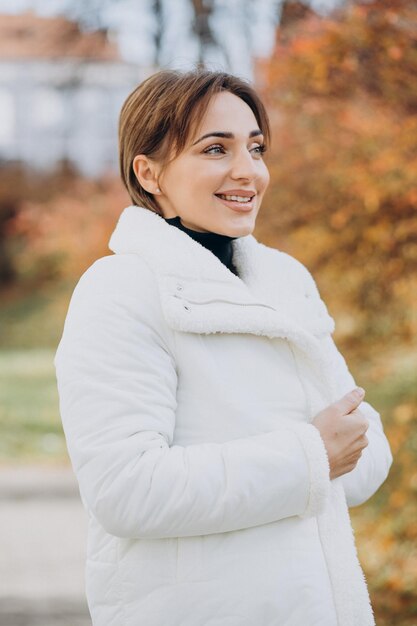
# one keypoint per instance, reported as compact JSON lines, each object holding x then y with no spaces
{"x":186,"y":395}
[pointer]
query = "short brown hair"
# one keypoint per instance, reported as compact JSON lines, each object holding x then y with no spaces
{"x":158,"y":117}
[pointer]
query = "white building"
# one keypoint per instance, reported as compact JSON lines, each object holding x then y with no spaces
{"x":60,"y":107}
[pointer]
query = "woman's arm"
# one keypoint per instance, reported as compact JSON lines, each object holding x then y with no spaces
{"x":373,"y":466}
{"x":117,"y":384}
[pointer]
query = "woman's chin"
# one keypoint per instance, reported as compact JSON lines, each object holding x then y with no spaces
{"x":241,"y":228}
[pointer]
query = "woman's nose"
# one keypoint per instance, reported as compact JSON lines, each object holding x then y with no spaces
{"x":243,"y":165}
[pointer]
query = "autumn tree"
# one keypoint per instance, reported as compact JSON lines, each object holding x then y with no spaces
{"x":343,"y":97}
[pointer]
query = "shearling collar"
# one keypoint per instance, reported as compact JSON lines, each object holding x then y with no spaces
{"x":273,"y":295}
{"x":173,"y":252}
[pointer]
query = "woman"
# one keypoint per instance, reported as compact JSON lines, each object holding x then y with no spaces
{"x":216,"y":433}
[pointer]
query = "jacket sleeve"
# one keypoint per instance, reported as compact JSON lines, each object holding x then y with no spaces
{"x":117,"y":382}
{"x":373,"y":466}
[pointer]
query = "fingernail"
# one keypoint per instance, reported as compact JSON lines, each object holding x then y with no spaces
{"x":360,"y":391}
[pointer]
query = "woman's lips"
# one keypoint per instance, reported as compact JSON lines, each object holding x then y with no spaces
{"x":240,"y":207}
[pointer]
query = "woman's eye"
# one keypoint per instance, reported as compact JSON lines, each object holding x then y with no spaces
{"x":260,"y":149}
{"x":215,"y":149}
{"x":219,"y":149}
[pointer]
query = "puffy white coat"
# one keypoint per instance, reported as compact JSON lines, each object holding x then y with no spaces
{"x":186,"y":395}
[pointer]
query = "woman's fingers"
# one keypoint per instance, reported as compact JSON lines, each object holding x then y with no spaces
{"x":342,"y":427}
{"x":349,"y":402}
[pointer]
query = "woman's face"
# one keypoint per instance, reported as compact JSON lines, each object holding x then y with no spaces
{"x":217,"y":182}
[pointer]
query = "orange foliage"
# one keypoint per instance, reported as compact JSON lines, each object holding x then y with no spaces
{"x":62,"y":224}
{"x":343,"y":98}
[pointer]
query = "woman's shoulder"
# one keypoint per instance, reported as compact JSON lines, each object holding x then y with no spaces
{"x":120,"y":273}
{"x":119,"y":284}
{"x":117,"y":287}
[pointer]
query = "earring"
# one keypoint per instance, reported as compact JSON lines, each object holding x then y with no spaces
{"x":158,"y":190}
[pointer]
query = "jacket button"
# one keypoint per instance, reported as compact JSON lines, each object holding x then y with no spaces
{"x":307,"y":295}
{"x":187,"y":308}
{"x":179,"y":287}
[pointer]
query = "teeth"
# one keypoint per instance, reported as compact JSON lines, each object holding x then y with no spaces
{"x":236,"y":198}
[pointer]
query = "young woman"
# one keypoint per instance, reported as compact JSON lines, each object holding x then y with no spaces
{"x":216,"y":433}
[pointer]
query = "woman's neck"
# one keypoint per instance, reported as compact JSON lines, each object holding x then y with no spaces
{"x":220,"y":245}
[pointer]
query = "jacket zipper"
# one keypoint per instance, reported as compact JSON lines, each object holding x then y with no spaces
{"x":211,"y":301}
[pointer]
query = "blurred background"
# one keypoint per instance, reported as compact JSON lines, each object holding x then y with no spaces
{"x":339,"y":80}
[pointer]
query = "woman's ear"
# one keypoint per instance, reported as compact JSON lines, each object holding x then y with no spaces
{"x":146,"y":171}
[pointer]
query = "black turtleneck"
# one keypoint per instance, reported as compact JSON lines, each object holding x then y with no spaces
{"x":220,"y":245}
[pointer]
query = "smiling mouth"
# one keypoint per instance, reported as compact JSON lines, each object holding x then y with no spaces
{"x":235,"y":198}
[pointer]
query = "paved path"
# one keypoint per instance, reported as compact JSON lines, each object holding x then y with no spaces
{"x":42,"y":548}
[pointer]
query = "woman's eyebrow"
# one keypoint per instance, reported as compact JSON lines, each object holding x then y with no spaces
{"x":224,"y":135}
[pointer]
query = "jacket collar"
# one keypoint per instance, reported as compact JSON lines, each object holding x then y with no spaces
{"x":199,"y":294}
{"x":172,"y":252}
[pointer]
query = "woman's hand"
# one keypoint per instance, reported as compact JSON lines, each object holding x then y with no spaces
{"x":342,"y":428}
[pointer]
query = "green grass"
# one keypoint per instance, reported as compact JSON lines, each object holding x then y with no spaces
{"x":29,"y":412}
